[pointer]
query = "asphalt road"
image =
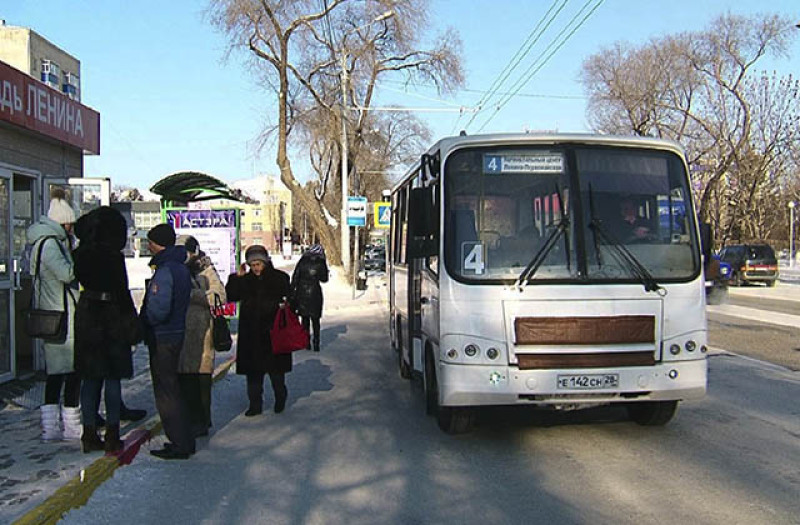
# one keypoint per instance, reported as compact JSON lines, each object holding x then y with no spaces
{"x":775,"y":343}
{"x":355,"y":447}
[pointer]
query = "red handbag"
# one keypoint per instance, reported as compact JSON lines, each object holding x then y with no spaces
{"x":287,"y":333}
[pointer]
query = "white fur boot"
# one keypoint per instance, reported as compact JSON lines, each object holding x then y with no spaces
{"x":51,"y":424}
{"x":72,"y":423}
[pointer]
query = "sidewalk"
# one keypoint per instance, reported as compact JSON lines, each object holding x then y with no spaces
{"x":32,"y":471}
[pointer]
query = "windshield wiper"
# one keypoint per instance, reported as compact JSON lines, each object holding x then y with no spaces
{"x":540,"y":256}
{"x":550,"y":242}
{"x":636,"y":268}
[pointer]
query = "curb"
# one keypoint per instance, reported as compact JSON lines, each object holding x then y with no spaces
{"x":77,"y":491}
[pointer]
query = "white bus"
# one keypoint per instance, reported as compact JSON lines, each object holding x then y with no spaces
{"x":550,"y":270}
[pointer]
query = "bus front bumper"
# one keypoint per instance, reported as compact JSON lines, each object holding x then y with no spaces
{"x":475,"y":385}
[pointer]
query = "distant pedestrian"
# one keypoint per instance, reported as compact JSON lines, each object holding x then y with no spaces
{"x":163,"y":315}
{"x":106,"y":325}
{"x":261,"y":291}
{"x":306,"y":293}
{"x":54,"y":290}
{"x":197,"y":356}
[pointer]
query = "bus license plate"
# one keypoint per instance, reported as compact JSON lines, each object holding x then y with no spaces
{"x":588,"y":382}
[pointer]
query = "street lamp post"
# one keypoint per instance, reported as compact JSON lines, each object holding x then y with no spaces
{"x":791,"y":234}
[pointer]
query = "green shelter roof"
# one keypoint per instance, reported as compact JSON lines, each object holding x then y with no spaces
{"x":193,"y":186}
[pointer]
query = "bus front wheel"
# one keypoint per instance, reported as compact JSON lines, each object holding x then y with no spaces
{"x":451,"y":420}
{"x":652,"y":413}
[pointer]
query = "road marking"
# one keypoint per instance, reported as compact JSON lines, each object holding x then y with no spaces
{"x":754,"y":314}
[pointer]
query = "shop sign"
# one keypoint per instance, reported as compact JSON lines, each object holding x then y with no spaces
{"x":27,"y":102}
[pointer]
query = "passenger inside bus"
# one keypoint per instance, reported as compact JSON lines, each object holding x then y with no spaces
{"x":629,"y":226}
{"x":519,"y":249}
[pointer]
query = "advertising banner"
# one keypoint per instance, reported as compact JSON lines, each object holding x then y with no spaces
{"x":217,"y":233}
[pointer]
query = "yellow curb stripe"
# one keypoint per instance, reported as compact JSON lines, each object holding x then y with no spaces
{"x":77,"y":491}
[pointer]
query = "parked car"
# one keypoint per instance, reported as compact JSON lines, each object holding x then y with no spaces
{"x":718,"y":275}
{"x":375,"y":259}
{"x":751,"y":263}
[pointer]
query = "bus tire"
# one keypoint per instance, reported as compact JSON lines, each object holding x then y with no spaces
{"x":652,"y":413}
{"x":455,"y":420}
{"x":451,"y":420}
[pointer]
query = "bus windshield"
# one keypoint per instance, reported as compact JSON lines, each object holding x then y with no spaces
{"x":582,"y":213}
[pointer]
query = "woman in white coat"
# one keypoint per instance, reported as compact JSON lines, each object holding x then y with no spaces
{"x":54,"y":289}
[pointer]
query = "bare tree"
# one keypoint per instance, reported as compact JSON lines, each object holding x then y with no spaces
{"x":698,"y":88}
{"x":303,"y":48}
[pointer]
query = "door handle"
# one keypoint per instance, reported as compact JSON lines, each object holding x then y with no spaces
{"x":16,"y":267}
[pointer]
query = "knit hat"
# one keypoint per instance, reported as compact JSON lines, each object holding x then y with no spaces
{"x":162,"y":234}
{"x":256,"y":253}
{"x":188,"y":242}
{"x":60,"y":211}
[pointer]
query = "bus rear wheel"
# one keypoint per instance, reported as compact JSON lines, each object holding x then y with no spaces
{"x":451,"y":420}
{"x":652,"y":413}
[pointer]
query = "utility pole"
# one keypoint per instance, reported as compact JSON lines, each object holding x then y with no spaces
{"x":345,"y":229}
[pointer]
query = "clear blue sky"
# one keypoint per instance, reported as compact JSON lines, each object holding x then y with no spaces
{"x":168,"y":102}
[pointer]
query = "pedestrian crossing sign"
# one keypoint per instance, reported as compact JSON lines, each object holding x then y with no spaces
{"x":382,"y":214}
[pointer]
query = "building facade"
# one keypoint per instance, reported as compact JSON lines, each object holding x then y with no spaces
{"x":44,"y":134}
{"x":261,"y":223}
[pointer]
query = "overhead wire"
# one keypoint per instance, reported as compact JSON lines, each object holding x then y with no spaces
{"x":534,"y":67}
{"x":521,"y":53}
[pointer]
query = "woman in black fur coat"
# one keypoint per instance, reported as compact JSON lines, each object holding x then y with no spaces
{"x":105,"y":322}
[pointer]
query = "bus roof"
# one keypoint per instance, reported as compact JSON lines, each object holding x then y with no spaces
{"x":448,"y":143}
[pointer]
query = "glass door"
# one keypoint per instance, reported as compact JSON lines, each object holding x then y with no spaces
{"x":7,"y":280}
{"x":24,"y":196}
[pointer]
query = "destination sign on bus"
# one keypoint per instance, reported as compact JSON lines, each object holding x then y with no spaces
{"x":539,"y":163}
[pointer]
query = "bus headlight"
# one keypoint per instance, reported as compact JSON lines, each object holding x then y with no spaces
{"x":690,"y":346}
{"x":492,"y":353}
{"x":674,"y":349}
{"x":471,"y":350}
{"x":452,"y":353}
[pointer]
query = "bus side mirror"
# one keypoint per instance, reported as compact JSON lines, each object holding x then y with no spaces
{"x":421,"y":224}
{"x":706,"y":240}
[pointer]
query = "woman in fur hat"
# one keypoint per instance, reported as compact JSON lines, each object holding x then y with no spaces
{"x":261,"y":290}
{"x":106,"y":324}
{"x":54,"y":290}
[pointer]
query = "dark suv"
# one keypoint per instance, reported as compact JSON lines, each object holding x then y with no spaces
{"x":751,"y":263}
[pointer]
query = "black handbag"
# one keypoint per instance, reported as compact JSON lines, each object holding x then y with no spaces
{"x":220,"y":330}
{"x":47,"y":325}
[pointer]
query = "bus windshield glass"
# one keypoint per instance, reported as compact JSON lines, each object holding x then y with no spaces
{"x":574,"y":213}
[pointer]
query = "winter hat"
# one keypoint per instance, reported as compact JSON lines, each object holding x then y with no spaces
{"x":60,"y":211}
{"x":256,"y":253}
{"x":190,"y":243}
{"x":162,"y":234}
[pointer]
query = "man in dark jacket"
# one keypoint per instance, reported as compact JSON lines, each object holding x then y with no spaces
{"x":163,"y":316}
